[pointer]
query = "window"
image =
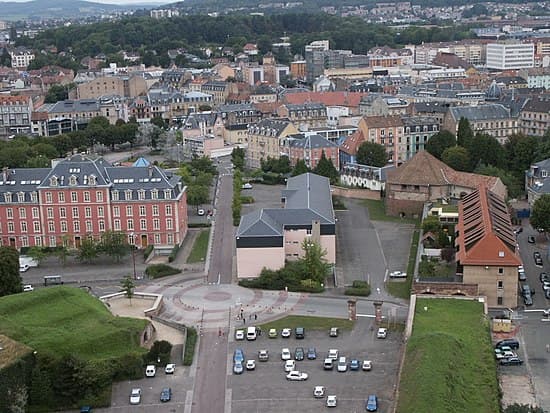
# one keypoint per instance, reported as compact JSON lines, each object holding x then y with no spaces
{"x":53,"y":241}
{"x":24,"y":241}
{"x":167,"y":194}
{"x":9,"y":212}
{"x":89,"y":226}
{"x":72,"y":180}
{"x":130,"y":224}
{"x":500,"y":284}
{"x":115,"y":195}
{"x":129,"y":210}
{"x":87,"y":212}
{"x":51,"y":226}
{"x":49,"y":197}
{"x":91,"y":180}
{"x":101,"y":226}
{"x":49,"y":212}
{"x":38,"y":241}
{"x":157,"y":238}
{"x":34,"y":197}
{"x":62,"y":212}
{"x":128,"y":194}
{"x":74,"y":197}
{"x":143,"y":224}
{"x":499,"y":300}
{"x":170,"y":239}
{"x":142,"y":210}
{"x":76,"y":226}
{"x":99,"y":196}
{"x":86,"y":196}
{"x":100,"y":211}
{"x":23,"y":226}
{"x":169,"y":223}
{"x":60,"y":196}
{"x":501,"y":270}
{"x":63,"y":226}
{"x":116,"y":211}
{"x":117,"y":224}
{"x":11,"y":227}
{"x":36,"y":226}
{"x":22,"y":213}
{"x":155,"y":210}
{"x":20,"y":197}
{"x":168,"y":210}
{"x":156,"y":224}
{"x":141,"y":194}
{"x":35,"y":213}
{"x":154,"y":194}
{"x":75,"y":212}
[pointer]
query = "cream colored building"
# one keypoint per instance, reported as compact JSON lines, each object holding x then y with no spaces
{"x":270,"y":236}
{"x":129,"y":87}
{"x":264,"y":138}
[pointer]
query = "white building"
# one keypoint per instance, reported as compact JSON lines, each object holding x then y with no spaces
{"x":21,"y":57}
{"x":506,"y":56}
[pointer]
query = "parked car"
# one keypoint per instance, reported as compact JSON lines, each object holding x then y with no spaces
{"x":503,"y":352}
{"x":135,"y":396}
{"x":367,"y":365}
{"x":27,"y":288}
{"x":86,"y":409}
{"x":398,"y":274}
{"x":286,"y":354}
{"x":238,"y":355}
{"x":528,"y":300}
{"x":166,"y":394}
{"x":299,"y":354}
{"x":547,"y":294}
{"x":250,"y":364}
{"x":328,"y":364}
{"x":371,"y":405}
{"x":286,"y":332}
{"x":299,"y":333}
{"x":333,"y":354}
{"x":296,"y":376}
{"x":342,"y":365}
{"x":311,"y":353}
{"x":150,"y":370}
{"x":519,"y":230}
{"x":508,"y":342}
{"x":511,"y":361}
{"x":521,"y":273}
{"x":290,"y":365}
{"x":170,"y":368}
{"x":319,"y":392}
{"x":531,"y":239}
{"x":24,"y":267}
{"x":354,"y":364}
{"x":247,"y":186}
{"x":382,"y":332}
{"x":239,"y":335}
{"x":263,"y":355}
{"x":272,"y":333}
{"x":544,"y":277}
{"x":333,"y":332}
{"x":238,"y":367}
{"x":331,"y":401}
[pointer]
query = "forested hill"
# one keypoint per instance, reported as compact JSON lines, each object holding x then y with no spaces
{"x":157,"y":36}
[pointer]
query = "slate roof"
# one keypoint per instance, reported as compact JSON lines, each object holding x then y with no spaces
{"x":481,"y":112}
{"x":236,"y":107}
{"x":81,"y":105}
{"x":309,"y":142}
{"x":540,"y":105}
{"x":23,"y":180}
{"x":307,"y":198}
{"x":267,"y":127}
{"x":349,"y":99}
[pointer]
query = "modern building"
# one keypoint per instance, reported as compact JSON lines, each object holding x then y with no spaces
{"x":510,"y":56}
{"x":82,"y":197}
{"x":277,"y":234}
{"x":21,"y":57}
{"x":15,"y":115}
{"x":487,"y":252}
{"x":364,"y":176}
{"x":418,"y":130}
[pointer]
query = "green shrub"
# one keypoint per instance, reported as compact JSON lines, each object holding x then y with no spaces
{"x":190,"y":344}
{"x":174,"y":253}
{"x":148,"y":251}
{"x":160,"y":350}
{"x":160,"y":270}
{"x":247,"y":199}
{"x":270,"y":178}
{"x":199,"y":225}
{"x":360,"y":288}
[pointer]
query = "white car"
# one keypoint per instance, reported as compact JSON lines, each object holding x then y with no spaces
{"x":382,"y":332}
{"x":398,"y":274}
{"x":239,"y":335}
{"x":170,"y":368}
{"x":285,"y":354}
{"x":286,"y":332}
{"x":150,"y":370}
{"x":27,"y":288}
{"x":290,"y":365}
{"x":333,"y":354}
{"x":263,"y":355}
{"x":319,"y":392}
{"x":24,"y":267}
{"x":331,"y":401}
{"x":367,"y":365}
{"x":135,"y":396}
{"x":247,"y":186}
{"x":296,"y":376}
{"x":250,"y":364}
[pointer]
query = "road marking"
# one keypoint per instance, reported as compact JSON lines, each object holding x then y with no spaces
{"x":188,"y":401}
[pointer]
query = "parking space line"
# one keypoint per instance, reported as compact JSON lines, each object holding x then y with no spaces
{"x":228,"y":400}
{"x":188,"y":401}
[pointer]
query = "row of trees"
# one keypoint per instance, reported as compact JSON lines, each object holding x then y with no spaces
{"x":198,"y":175}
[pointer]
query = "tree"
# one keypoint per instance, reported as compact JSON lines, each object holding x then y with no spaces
{"x":372,"y":154}
{"x":197,"y":194}
{"x":521,"y":152}
{"x":237,"y":158}
{"x":114,"y":244}
{"x":88,"y":250}
{"x":485,"y":149}
{"x":10,"y":279}
{"x":159,"y":122}
{"x":325,"y":167}
{"x":37,"y":253}
{"x":56,"y":93}
{"x":513,"y":184}
{"x":540,"y":215}
{"x":202,"y":164}
{"x":431,"y":224}
{"x":437,"y":144}
{"x":300,"y":168}
{"x":457,"y":158}
{"x":465,"y":133}
{"x":128,"y":286}
{"x":314,"y":263}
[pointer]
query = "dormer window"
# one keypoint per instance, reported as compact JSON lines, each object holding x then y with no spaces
{"x":544,"y":173}
{"x":34,"y":197}
{"x":141,"y":194}
{"x":167,"y":194}
{"x":92,"y":180}
{"x":154,"y":194}
{"x":72,"y":180}
{"x":115,"y":195}
{"x":53,"y":181}
{"x":21,"y":197}
{"x":7,"y":197}
{"x":128,"y":195}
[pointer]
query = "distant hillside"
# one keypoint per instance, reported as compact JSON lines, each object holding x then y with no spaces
{"x":40,"y":9}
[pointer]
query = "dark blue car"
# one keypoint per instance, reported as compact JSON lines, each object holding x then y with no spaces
{"x":371,"y":405}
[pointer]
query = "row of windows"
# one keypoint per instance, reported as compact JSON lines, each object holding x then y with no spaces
{"x":63,"y":225}
{"x":52,"y":240}
{"x":88,"y":211}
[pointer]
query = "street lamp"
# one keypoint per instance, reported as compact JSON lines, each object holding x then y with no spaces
{"x":134,"y":253}
{"x":178,"y":152}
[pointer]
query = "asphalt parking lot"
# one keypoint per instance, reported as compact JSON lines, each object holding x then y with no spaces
{"x":265,"y":196}
{"x":266,"y":389}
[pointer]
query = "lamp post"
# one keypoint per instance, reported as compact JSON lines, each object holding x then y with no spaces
{"x":134,"y":253}
{"x":178,"y":152}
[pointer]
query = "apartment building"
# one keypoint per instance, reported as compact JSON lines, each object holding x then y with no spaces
{"x":126,"y":86}
{"x":264,"y":139}
{"x":387,"y":131}
{"x":534,"y":118}
{"x":510,"y":56}
{"x":15,"y":115}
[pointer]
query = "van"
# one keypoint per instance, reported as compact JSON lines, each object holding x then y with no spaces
{"x":510,"y":342}
{"x":327,"y":365}
{"x":299,"y":332}
{"x":342,"y":364}
{"x":251,"y":333}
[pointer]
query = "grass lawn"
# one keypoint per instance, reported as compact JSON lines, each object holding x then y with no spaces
{"x":198,"y":253}
{"x":64,"y":320}
{"x":402,"y":289}
{"x":449,"y":365}
{"x":378,"y":213}
{"x":308,"y":322}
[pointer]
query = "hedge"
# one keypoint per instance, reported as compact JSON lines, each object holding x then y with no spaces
{"x":199,"y":225}
{"x":190,"y":344}
{"x":160,"y":270}
{"x":148,"y":251}
{"x":174,"y":253}
{"x":359,"y":288}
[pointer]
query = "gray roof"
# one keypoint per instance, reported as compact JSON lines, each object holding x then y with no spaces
{"x":305,"y":106}
{"x":237,"y":107}
{"x":419,"y":120}
{"x":309,"y":142}
{"x":431,"y":107}
{"x":481,"y":112}
{"x":24,"y":180}
{"x":267,"y":127}
{"x":81,"y":105}
{"x":308,"y":198}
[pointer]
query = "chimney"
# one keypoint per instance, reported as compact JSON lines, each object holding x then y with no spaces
{"x":150,"y":170}
{"x":5,"y":173}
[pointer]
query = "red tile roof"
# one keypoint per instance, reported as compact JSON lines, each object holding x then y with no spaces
{"x":14,"y":100}
{"x":349,"y":99}
{"x":352,"y":142}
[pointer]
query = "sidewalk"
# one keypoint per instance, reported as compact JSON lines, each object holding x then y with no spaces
{"x":185,"y":250}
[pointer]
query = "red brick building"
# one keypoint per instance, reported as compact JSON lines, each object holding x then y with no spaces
{"x":80,"y":197}
{"x":310,"y":148}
